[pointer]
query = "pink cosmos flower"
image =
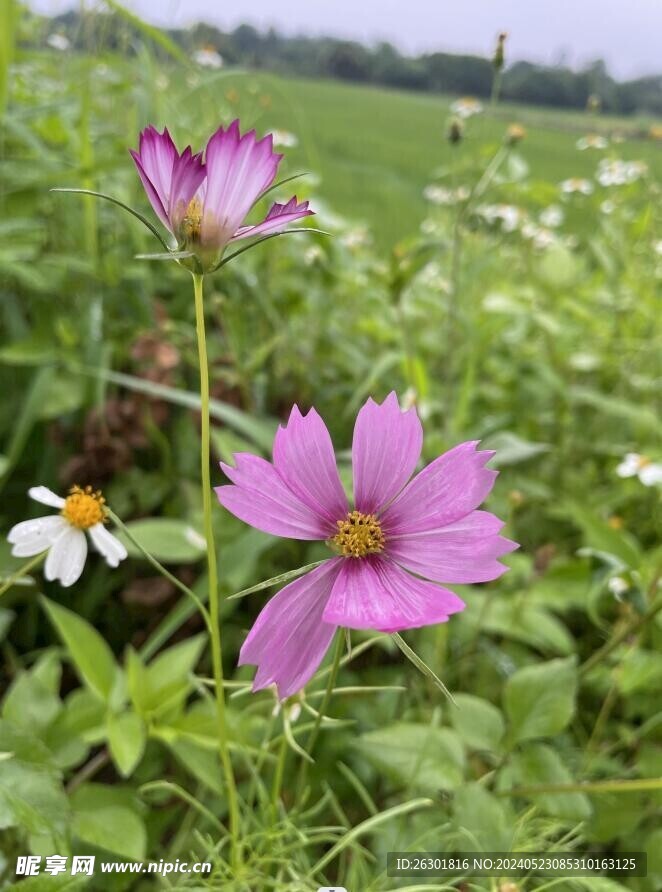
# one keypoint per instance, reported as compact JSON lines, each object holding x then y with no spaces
{"x":399,"y":540}
{"x":204,"y":203}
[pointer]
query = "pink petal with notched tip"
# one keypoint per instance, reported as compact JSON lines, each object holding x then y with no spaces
{"x":385,"y":449}
{"x":239,"y":169}
{"x":464,"y":551}
{"x":279,"y":216}
{"x":289,"y":638}
{"x":304,"y":458}
{"x":374,"y":593}
{"x":445,"y":491}
{"x":261,"y":498}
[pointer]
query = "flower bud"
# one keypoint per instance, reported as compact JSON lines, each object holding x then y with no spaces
{"x":514,"y":134}
{"x":455,"y":131}
{"x":499,"y":56}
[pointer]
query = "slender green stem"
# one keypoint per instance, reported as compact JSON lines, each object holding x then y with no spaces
{"x":278,"y":777}
{"x":215,"y":631}
{"x":21,"y":572}
{"x":160,"y":568}
{"x":622,"y":636}
{"x":312,"y":738}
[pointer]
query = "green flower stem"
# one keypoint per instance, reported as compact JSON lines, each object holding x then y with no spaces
{"x":160,"y":568}
{"x":312,"y":738}
{"x":21,"y":572}
{"x":622,"y":635}
{"x":215,"y":631}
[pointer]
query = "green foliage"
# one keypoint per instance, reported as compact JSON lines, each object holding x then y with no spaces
{"x":539,"y":700}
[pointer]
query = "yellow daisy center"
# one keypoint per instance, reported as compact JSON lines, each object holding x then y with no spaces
{"x":358,"y":535}
{"x":83,"y":508}
{"x":192,"y":221}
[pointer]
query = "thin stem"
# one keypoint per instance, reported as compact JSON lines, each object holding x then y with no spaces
{"x":21,"y":572}
{"x":621,"y":636}
{"x":215,"y":629}
{"x":278,"y":777}
{"x":312,"y":738}
{"x":160,"y":568}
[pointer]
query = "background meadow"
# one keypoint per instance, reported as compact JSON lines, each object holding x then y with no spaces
{"x":507,"y":309}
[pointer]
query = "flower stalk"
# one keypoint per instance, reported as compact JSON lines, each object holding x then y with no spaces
{"x":215,"y":629}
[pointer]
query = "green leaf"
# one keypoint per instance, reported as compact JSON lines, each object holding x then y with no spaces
{"x":91,"y":655}
{"x":126,"y":739}
{"x":511,"y":449}
{"x":482,"y":822}
{"x":540,"y":700}
{"x":538,"y":763}
{"x":32,"y":701}
{"x":603,"y":538}
{"x":478,"y":722}
{"x":167,"y":539}
{"x":31,"y":792}
{"x":104,"y":817}
{"x":416,"y":755}
{"x":167,"y":679}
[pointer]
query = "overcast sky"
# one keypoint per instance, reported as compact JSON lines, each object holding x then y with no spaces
{"x":626,"y":33}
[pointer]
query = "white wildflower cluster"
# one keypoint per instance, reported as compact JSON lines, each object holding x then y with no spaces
{"x":592,"y":141}
{"x":59,"y":42}
{"x":552,"y":216}
{"x":284,"y":139}
{"x":576,"y":186}
{"x":207,"y":57}
{"x":508,"y":216}
{"x":441,"y":195}
{"x":636,"y":465}
{"x":617,"y":172}
{"x":467,"y":107}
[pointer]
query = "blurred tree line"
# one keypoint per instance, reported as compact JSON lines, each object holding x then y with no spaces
{"x":382,"y":64}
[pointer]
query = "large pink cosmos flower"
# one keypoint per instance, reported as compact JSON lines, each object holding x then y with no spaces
{"x":396,"y":533}
{"x":204,"y":203}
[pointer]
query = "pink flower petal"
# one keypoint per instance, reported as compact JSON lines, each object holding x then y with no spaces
{"x":154,"y":159}
{"x":152,"y":194}
{"x":447,"y":490}
{"x":261,"y":498}
{"x":289,"y":638}
{"x":374,"y":593}
{"x":386,"y":447}
{"x":304,"y":458}
{"x":188,"y":173}
{"x":278,"y":217}
{"x":239,"y":169}
{"x":463,"y":551}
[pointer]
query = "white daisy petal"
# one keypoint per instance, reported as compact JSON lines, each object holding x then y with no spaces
{"x":107,"y":544}
{"x":46,"y":496}
{"x":66,"y":557}
{"x":651,"y":475}
{"x":630,"y":465}
{"x":31,"y":537}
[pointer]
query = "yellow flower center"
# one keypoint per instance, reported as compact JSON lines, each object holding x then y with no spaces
{"x":358,"y":535}
{"x":83,"y":508}
{"x":191,"y":225}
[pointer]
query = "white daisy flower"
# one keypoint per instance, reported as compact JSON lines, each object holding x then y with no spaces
{"x":592,"y":141}
{"x":284,"y":139}
{"x":207,"y":57}
{"x":619,"y":173}
{"x":59,"y":42}
{"x":63,"y":534}
{"x":552,"y":216}
{"x":636,"y":465}
{"x":466,"y":107}
{"x":577,"y":184}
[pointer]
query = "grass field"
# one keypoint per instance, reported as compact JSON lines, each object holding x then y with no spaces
{"x":375,"y":149}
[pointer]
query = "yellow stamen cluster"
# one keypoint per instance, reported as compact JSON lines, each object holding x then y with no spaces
{"x":359,"y":535}
{"x":84,"y":508}
{"x":191,"y":225}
